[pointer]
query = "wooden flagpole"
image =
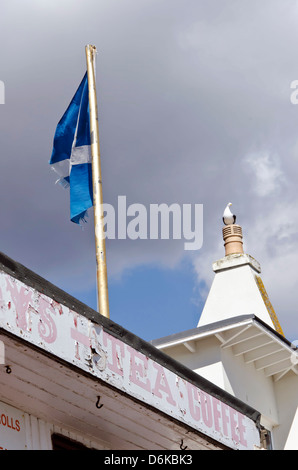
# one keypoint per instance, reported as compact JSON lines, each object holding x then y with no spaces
{"x":100,"y":246}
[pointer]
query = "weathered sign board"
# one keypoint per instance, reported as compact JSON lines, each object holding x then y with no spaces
{"x":57,"y":329}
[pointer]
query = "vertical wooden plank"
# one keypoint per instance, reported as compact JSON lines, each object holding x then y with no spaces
{"x":45,"y":435}
{"x":35,"y":433}
{"x":28,"y":432}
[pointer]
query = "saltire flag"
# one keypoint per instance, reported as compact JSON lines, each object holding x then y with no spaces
{"x":71,"y":155}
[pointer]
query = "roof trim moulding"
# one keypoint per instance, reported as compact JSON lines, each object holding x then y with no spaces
{"x":211,"y":328}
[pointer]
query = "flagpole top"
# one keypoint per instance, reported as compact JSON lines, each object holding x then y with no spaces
{"x":91,"y":47}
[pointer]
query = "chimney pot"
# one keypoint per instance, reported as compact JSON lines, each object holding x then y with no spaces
{"x":232,"y":235}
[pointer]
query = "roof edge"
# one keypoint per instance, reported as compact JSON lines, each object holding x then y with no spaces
{"x":187,"y":334}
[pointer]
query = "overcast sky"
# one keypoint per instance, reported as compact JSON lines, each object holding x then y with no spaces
{"x":194,"y":107}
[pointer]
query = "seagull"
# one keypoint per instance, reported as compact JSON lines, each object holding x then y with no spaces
{"x":228,"y":218}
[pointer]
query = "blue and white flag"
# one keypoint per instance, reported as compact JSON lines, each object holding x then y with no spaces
{"x":71,"y":156}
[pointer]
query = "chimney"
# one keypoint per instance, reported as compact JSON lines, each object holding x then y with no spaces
{"x":237,"y":287}
{"x":232,"y":235}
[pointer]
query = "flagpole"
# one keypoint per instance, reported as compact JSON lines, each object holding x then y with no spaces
{"x":100,"y":246}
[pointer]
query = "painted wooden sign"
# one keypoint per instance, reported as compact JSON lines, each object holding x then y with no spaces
{"x":74,"y":338}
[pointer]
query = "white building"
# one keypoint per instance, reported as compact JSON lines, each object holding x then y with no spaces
{"x":71,"y":379}
{"x":239,"y":345}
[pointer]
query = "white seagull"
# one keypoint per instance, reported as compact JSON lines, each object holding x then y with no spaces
{"x":228,"y":218}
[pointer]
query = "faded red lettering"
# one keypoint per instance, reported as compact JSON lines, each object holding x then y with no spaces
{"x":79,"y":338}
{"x":235,"y":437}
{"x":206,"y":409}
{"x":193,"y":409}
{"x":241,"y":429}
{"x":138,"y":371}
{"x":162,"y":384}
{"x":20,"y":297}
{"x":225,"y":418}
{"x":216,"y":413}
{"x":46,"y":327}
